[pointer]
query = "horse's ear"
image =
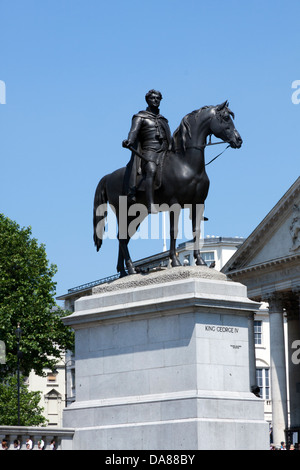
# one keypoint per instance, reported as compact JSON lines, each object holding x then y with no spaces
{"x":222,"y":106}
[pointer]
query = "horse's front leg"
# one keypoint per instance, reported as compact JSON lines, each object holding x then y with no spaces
{"x":197,"y":216}
{"x":126,"y":256}
{"x":123,"y":238}
{"x":174,"y":216}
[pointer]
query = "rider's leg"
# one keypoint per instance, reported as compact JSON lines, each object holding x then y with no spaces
{"x":150,"y":175}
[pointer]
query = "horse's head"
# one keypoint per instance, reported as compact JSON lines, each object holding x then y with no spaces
{"x":197,"y":125}
{"x":222,"y":126}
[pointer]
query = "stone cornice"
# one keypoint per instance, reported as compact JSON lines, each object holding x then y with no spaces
{"x":278,"y":262}
{"x":280,"y":276}
{"x":181,"y":290}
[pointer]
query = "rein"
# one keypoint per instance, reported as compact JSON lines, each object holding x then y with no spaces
{"x":219,"y":153}
{"x":208,"y":145}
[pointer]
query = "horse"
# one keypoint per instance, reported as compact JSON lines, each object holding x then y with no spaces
{"x":184,"y":182}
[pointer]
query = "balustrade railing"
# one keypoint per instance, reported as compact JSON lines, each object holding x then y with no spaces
{"x":11,"y":434}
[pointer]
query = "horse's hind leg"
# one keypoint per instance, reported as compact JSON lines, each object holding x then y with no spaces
{"x":123,"y":244}
{"x":124,"y":256}
{"x":197,"y":215}
{"x":121,"y":265}
{"x":174,"y":216}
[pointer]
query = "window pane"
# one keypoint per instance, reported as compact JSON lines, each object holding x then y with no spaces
{"x":208,"y":257}
{"x":263,"y":382}
{"x":259,"y":377}
{"x":51,"y":377}
{"x":257,"y":332}
{"x":267,"y":384}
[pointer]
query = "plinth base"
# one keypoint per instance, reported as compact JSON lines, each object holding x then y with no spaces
{"x":162,"y":363}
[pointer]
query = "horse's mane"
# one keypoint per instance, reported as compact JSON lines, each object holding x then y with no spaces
{"x":184,"y":128}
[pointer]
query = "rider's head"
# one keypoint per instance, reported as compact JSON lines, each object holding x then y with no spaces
{"x":152,"y":93}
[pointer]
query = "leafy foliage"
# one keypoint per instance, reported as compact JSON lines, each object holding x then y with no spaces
{"x":27,"y":293}
{"x":30,"y":411}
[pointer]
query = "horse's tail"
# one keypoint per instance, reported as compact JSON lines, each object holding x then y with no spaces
{"x":100,"y":212}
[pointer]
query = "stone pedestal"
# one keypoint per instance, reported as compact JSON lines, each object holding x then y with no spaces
{"x":162,"y":363}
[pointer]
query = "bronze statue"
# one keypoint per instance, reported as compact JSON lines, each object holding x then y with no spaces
{"x":151,"y":135}
{"x":183,"y":180}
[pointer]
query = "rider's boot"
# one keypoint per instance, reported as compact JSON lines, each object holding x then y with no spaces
{"x":150,"y":195}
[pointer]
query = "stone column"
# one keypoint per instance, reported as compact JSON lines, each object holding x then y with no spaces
{"x":278,"y":370}
{"x":292,"y":307}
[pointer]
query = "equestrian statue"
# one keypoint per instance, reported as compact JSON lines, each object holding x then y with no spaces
{"x":164,"y":172}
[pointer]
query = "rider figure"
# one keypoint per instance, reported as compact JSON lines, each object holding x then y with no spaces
{"x":150,"y":133}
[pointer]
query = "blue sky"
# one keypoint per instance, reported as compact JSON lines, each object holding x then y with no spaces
{"x":76,"y":71}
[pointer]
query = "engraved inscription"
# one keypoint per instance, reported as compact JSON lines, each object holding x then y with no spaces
{"x":221,"y":329}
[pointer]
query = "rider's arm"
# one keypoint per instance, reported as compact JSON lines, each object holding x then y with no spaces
{"x":135,"y":129}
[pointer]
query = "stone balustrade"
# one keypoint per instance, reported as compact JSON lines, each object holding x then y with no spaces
{"x":63,"y":437}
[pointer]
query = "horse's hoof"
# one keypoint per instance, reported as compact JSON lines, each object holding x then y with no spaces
{"x":130,"y":268}
{"x":123,"y":274}
{"x":175,"y":263}
{"x":200,"y":262}
{"x":132,"y":271}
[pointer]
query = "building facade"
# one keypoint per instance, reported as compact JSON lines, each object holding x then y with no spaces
{"x":57,"y":388}
{"x":268,"y":263}
{"x":52,"y":388}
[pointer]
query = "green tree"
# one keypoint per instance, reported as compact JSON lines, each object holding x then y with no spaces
{"x":27,"y":296}
{"x":30,"y":411}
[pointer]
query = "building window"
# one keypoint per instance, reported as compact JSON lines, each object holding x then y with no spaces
{"x":51,"y":377}
{"x":263,"y":382}
{"x":257,"y":332}
{"x":73,"y":382}
{"x":208,"y":257}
